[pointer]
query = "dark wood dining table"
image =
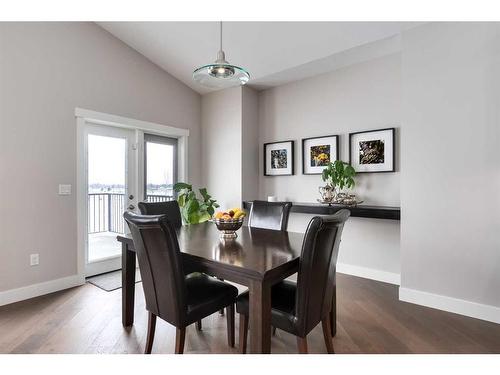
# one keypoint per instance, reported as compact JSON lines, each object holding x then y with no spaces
{"x":258,"y":259}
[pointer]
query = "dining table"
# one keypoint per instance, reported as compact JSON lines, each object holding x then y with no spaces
{"x":257,"y":259}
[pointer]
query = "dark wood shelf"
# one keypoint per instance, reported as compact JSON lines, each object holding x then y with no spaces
{"x":361,"y":210}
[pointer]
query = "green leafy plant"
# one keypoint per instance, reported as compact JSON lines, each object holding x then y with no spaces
{"x":339,"y":175}
{"x":193,"y":209}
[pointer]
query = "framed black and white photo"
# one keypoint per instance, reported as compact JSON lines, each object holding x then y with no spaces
{"x":317,"y":152}
{"x":278,"y":158}
{"x":372,"y":150}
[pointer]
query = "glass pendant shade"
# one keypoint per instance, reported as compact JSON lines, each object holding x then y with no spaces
{"x":220,"y":74}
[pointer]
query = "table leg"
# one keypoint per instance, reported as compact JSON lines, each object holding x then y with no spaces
{"x":260,"y":317}
{"x":128,"y":285}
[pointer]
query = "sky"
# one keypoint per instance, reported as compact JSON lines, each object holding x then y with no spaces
{"x":106,"y":161}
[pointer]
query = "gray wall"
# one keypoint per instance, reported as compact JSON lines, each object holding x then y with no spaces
{"x":360,"y":97}
{"x":221,"y":146}
{"x":250,"y":144}
{"x":46,"y":70}
{"x":230,"y":145}
{"x":450,"y":172}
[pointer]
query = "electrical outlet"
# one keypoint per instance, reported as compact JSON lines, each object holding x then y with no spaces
{"x":34,"y":259}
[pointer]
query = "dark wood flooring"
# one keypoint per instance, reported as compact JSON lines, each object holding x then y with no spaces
{"x":371,"y":319}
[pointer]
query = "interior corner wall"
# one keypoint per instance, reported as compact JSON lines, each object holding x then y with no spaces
{"x":46,"y":70}
{"x":230,"y":145}
{"x":450,"y":167}
{"x":359,"y":97}
{"x":250,"y":144}
{"x":222,"y":146}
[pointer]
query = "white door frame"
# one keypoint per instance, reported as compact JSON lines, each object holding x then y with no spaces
{"x":84,"y":117}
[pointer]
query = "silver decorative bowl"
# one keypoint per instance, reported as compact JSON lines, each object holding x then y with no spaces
{"x":343,"y":199}
{"x":228,"y":228}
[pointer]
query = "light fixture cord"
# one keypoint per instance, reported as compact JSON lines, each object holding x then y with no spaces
{"x":221,"y":35}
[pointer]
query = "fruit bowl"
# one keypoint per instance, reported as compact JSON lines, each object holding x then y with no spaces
{"x":228,"y":227}
{"x":228,"y":222}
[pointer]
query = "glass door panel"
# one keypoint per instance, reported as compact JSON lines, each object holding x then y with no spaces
{"x":160,"y":168}
{"x":109,"y":194}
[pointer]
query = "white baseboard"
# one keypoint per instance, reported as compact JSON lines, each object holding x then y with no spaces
{"x":450,"y":304}
{"x":36,"y":290}
{"x":369,"y":273}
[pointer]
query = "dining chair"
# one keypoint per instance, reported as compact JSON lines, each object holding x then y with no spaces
{"x":173,"y":212}
{"x":298,"y":307}
{"x":171,"y":295}
{"x":169,"y":208}
{"x":269,"y":215}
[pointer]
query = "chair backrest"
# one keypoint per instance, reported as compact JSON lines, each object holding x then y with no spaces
{"x":160,"y":263}
{"x":316,"y":276}
{"x":269,"y":215}
{"x":170,"y":208}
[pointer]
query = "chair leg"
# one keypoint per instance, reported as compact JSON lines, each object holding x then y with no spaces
{"x":326,"y":334}
{"x":274,"y":331}
{"x":151,"y":333}
{"x":230,"y":325}
{"x":302,"y":344}
{"x":180,"y":337}
{"x":198,"y":325}
{"x":243,"y":333}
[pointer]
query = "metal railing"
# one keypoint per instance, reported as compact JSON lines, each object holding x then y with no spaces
{"x":105,"y":211}
{"x":158,"y":198}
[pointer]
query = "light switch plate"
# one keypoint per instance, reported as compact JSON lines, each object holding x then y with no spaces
{"x":64,"y":189}
{"x":34,"y":259}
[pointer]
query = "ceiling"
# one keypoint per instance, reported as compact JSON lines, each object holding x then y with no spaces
{"x":273,"y":52}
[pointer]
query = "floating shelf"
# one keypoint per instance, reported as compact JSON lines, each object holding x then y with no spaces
{"x":361,"y":210}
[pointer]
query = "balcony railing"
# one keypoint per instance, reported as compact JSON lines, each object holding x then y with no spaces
{"x":105,"y":211}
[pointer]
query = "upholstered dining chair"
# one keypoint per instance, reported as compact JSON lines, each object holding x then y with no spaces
{"x":170,"y":208}
{"x":173,"y":212}
{"x":171,"y":295}
{"x":269,"y":215}
{"x":298,"y":307}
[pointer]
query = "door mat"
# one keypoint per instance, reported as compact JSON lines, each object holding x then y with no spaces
{"x":112,"y":280}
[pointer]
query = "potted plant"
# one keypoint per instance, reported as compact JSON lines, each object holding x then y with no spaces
{"x":337,"y":175}
{"x":193,"y":209}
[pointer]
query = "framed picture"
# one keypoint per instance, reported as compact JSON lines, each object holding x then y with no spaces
{"x":278,"y":158}
{"x":317,"y":152}
{"x":372,"y":150}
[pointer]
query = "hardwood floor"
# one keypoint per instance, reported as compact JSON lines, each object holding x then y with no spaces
{"x":370,"y":320}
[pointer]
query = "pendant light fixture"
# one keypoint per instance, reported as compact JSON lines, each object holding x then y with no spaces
{"x":220,"y":74}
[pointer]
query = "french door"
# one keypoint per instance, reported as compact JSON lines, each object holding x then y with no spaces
{"x":122,"y":166}
{"x":111,"y":188}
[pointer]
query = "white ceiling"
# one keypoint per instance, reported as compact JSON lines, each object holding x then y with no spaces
{"x":287,"y":50}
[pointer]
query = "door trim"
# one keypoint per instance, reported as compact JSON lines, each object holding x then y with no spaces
{"x":84,"y":117}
